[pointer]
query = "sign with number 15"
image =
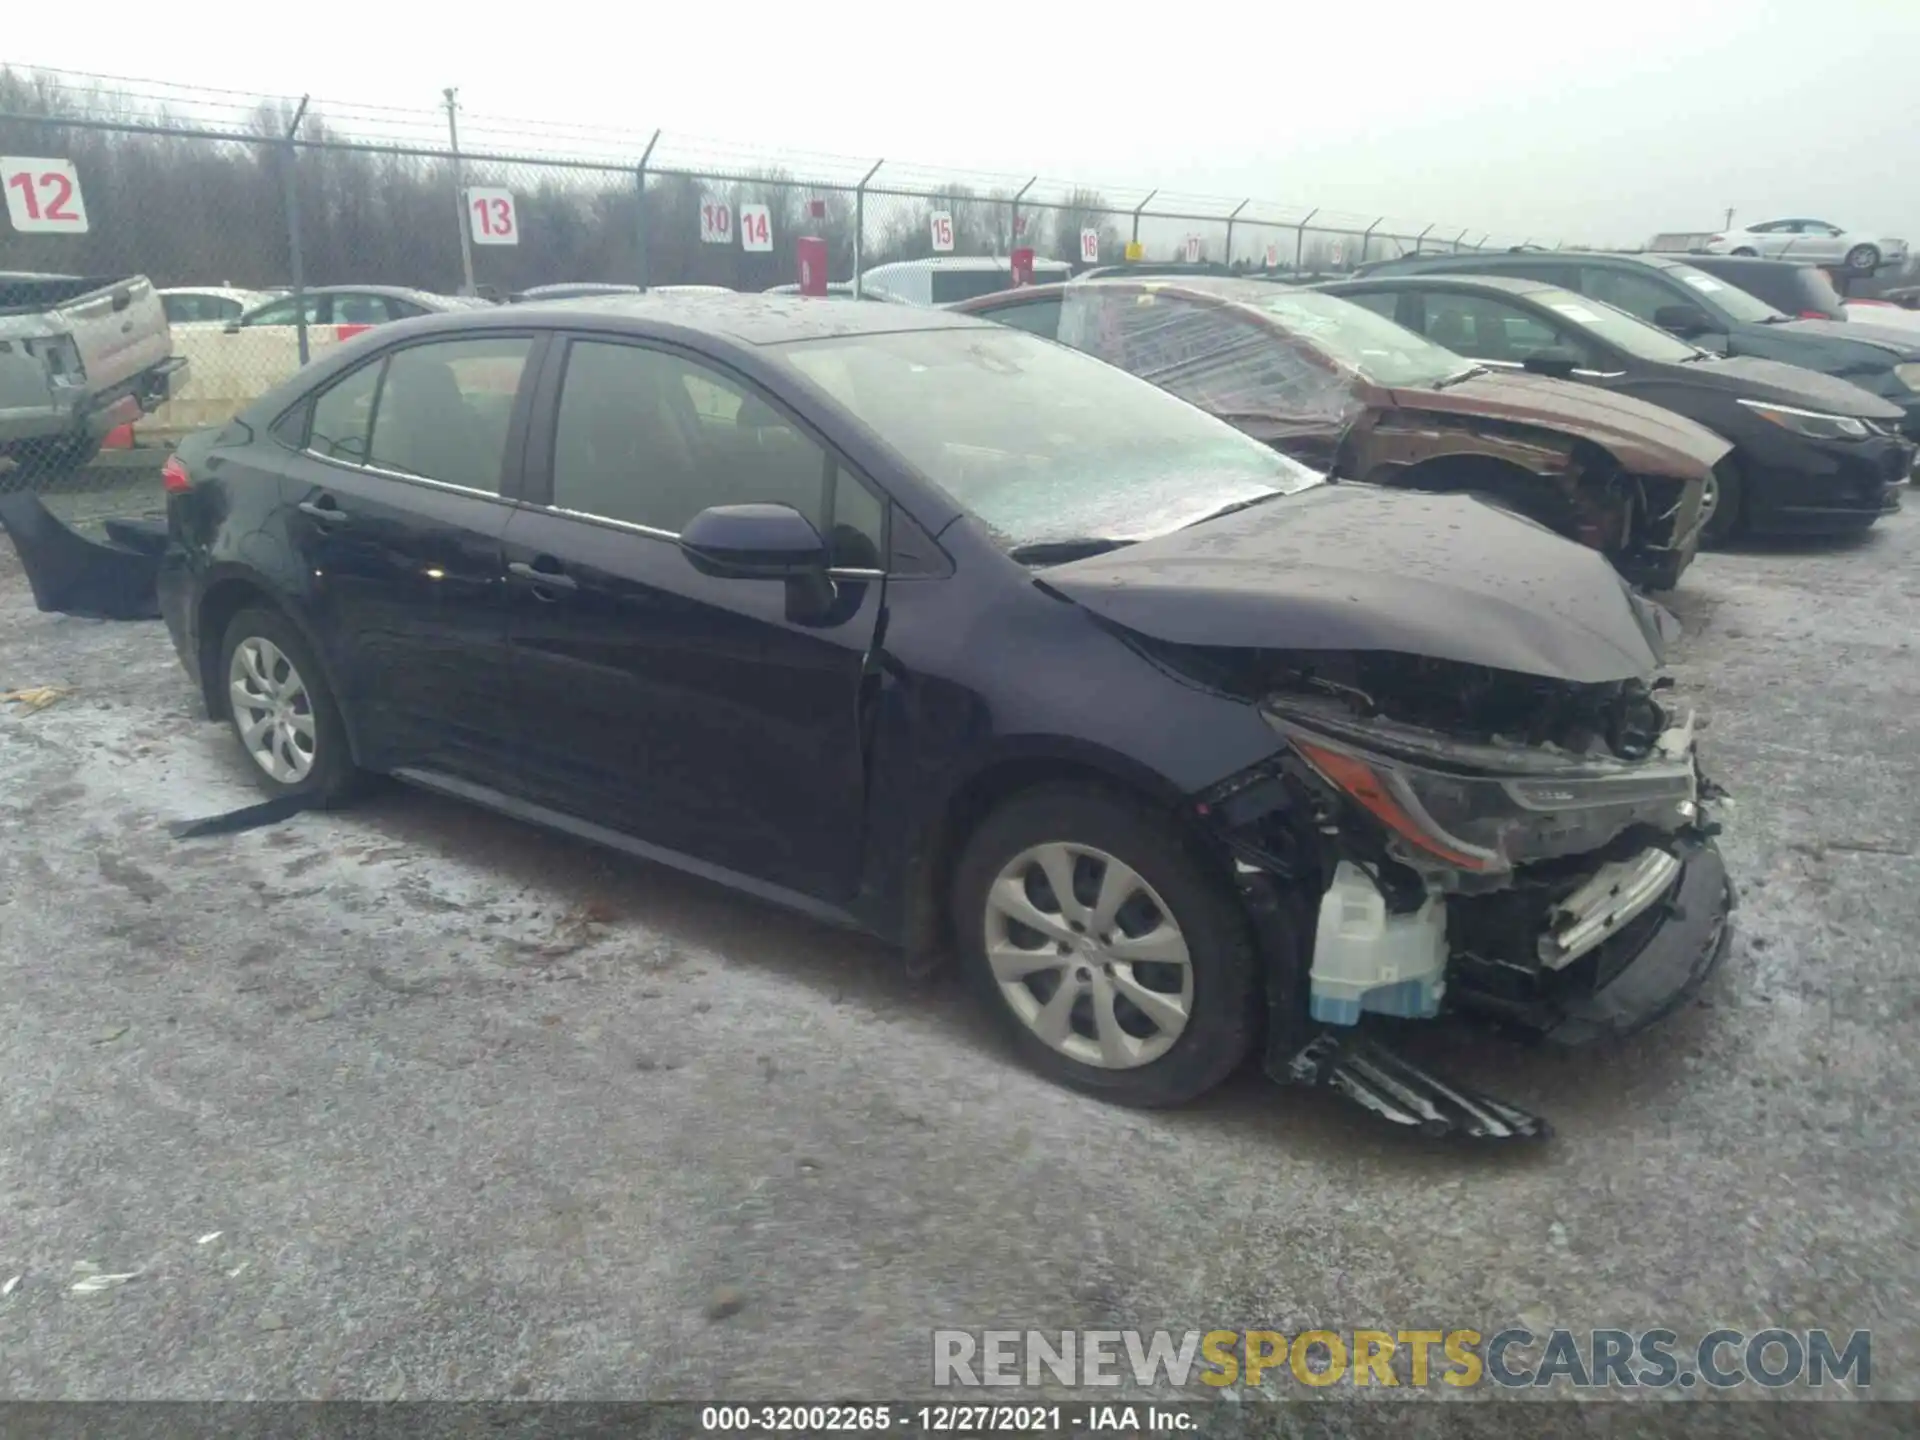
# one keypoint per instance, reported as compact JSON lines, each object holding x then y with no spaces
{"x":43,"y":195}
{"x":491,"y":216}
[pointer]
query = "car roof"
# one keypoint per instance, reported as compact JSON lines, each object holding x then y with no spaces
{"x":1509,"y":284}
{"x":964,"y":262}
{"x":1745,"y":262}
{"x":744,"y":319}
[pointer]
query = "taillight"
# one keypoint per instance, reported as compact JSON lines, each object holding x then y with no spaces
{"x":174,"y":478}
{"x":1715,"y":239}
{"x":1815,"y":315}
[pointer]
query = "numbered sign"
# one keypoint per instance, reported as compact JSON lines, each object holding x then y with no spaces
{"x":716,"y":223}
{"x":941,"y":225}
{"x":1090,"y":246}
{"x":43,"y":195}
{"x":756,"y":228}
{"x":1339,"y":254}
{"x":1193,"y":249}
{"x":491,"y":216}
{"x":1273,"y":257}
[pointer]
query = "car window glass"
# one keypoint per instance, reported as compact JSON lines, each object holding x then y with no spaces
{"x":859,"y":538}
{"x":653,"y":439}
{"x":343,"y":413}
{"x":360,"y":310}
{"x":1487,"y":329}
{"x":1384,"y":303}
{"x":1036,"y":317}
{"x":445,"y":407}
{"x":1636,"y":294}
{"x":287,"y":312}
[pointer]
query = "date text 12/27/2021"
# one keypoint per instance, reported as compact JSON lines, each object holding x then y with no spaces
{"x":950,"y":1420}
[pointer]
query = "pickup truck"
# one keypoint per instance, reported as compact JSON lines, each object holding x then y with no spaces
{"x":78,"y":357}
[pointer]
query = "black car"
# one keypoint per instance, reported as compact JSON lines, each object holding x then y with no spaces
{"x":1811,"y":453}
{"x":1793,"y":287}
{"x":930,"y":627}
{"x":1679,"y":297}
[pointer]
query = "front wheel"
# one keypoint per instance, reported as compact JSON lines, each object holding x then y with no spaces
{"x":1116,"y":962}
{"x":1721,"y":504}
{"x":1864,"y":259}
{"x":282,"y":712}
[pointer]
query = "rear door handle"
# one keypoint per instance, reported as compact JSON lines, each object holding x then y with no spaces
{"x":541,"y":579}
{"x":327,"y":514}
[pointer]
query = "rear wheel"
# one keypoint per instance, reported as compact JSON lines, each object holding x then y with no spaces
{"x":1722,"y":504}
{"x":1864,"y":258}
{"x":282,"y":712}
{"x":1116,"y":963}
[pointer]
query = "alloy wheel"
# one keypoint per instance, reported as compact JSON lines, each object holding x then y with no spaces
{"x":272,"y":710}
{"x":1709,"y":499}
{"x":1088,"y":956}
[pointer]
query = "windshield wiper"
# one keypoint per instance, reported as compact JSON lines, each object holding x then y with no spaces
{"x":1466,"y":374}
{"x":1058,"y":552}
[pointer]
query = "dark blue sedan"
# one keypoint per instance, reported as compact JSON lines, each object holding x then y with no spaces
{"x":926,"y":626}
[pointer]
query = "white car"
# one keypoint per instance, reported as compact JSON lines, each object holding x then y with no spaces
{"x":1886,"y":315}
{"x":208,"y":304}
{"x":1815,"y":240}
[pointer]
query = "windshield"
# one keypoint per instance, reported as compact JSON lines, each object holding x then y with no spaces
{"x":1618,"y":328}
{"x":1380,"y":350}
{"x":1043,"y":444}
{"x":1729,"y":299}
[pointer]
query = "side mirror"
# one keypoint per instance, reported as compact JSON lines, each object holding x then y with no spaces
{"x":754,"y":542}
{"x":1682,"y":320}
{"x":1556,"y":363}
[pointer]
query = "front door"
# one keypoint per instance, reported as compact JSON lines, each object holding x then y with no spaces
{"x":698,"y":714}
{"x":397,"y":516}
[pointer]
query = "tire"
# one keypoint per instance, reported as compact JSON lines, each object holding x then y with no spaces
{"x":1729,"y":512}
{"x":1863,"y":259}
{"x":1151,"y":1059}
{"x":298,"y":690}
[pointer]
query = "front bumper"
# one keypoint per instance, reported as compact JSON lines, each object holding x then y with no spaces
{"x":1653,"y":961}
{"x":1828,"y":487}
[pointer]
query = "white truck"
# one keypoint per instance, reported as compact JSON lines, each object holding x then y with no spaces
{"x":79,"y":357}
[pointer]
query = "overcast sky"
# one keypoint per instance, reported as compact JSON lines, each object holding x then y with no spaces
{"x":1599,"y":122}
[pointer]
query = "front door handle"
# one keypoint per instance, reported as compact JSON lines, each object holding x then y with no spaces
{"x":327,"y":514}
{"x":541,"y":579}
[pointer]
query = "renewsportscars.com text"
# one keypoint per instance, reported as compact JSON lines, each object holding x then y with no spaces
{"x":1512,"y":1359}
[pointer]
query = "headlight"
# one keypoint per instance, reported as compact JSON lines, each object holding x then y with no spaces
{"x":1908,"y":374}
{"x":1458,"y":806}
{"x":1811,"y":423}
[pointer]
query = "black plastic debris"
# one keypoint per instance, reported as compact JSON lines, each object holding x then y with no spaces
{"x":247,"y":817}
{"x":115,"y":579}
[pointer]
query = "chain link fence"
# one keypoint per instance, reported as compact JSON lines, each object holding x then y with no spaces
{"x":283,"y":236}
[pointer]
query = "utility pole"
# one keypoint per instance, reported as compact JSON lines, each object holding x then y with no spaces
{"x":459,"y":189}
{"x":1729,"y":224}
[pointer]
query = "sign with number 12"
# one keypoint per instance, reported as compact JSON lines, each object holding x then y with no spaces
{"x":491,"y":216}
{"x":43,"y":195}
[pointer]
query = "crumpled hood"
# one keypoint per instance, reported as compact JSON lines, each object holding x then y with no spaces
{"x":1757,"y":379}
{"x":1358,"y":567}
{"x":1900,"y":345}
{"x":1644,"y":438}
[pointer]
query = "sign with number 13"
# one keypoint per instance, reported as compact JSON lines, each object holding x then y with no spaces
{"x":491,"y":216}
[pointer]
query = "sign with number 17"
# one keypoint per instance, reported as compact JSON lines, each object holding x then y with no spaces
{"x":491,"y":216}
{"x":43,"y":195}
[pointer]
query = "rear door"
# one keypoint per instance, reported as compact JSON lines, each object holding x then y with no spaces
{"x":690,"y":712}
{"x":398,"y":489}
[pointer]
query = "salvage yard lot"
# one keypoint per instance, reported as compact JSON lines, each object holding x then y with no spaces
{"x":412,"y":1100}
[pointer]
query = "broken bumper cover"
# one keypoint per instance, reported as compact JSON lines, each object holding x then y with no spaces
{"x":1649,"y":970}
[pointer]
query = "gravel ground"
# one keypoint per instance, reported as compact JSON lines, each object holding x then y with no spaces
{"x":413,"y":1101}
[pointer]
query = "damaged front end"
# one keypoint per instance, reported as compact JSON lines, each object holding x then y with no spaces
{"x":1534,"y":851}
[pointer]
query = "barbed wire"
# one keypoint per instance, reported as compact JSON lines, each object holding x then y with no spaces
{"x":102,"y":97}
